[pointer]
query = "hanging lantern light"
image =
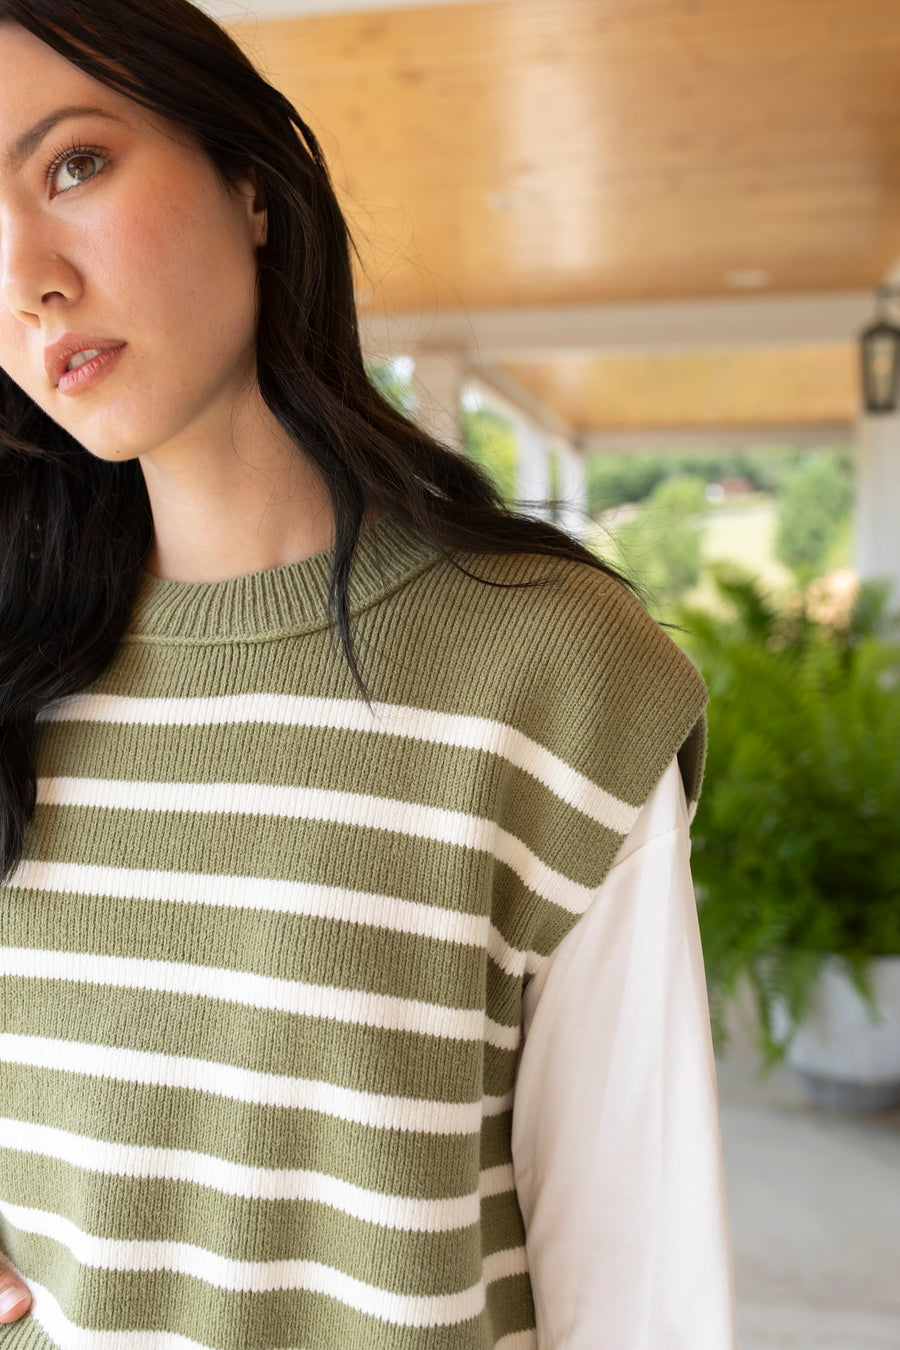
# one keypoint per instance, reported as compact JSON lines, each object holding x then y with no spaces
{"x":880,"y":350}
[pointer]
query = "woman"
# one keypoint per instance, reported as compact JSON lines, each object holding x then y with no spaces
{"x":350,"y":983}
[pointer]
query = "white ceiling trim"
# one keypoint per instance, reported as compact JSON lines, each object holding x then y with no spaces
{"x":482,"y":337}
{"x":640,"y":442}
{"x":231,"y":11}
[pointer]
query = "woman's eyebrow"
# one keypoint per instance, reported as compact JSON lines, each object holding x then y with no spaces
{"x":25,"y":145}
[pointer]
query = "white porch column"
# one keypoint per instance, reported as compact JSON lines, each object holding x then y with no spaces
{"x":438,"y":384}
{"x":878,"y":501}
{"x":572,"y":489}
{"x":532,"y":467}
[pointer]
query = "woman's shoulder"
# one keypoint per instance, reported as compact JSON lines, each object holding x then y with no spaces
{"x":555,"y":610}
{"x":557,"y":648}
{"x":537,"y":602}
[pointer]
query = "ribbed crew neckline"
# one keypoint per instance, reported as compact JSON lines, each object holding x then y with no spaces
{"x":283,"y":600}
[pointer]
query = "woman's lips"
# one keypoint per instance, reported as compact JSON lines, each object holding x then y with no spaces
{"x":77,"y":381}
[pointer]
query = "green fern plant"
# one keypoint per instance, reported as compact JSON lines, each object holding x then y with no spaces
{"x":796,"y":846}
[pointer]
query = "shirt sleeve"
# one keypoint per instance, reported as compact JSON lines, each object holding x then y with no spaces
{"x":616,"y":1141}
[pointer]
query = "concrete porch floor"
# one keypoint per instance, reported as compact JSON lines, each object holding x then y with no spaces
{"x":814,"y":1203}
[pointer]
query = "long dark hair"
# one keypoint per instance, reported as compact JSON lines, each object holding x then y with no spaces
{"x":74,"y":530}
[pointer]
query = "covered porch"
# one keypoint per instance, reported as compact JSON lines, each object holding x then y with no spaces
{"x":622,"y":226}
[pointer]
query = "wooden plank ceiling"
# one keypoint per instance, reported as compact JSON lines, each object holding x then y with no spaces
{"x":562,"y":152}
{"x":770,"y":387}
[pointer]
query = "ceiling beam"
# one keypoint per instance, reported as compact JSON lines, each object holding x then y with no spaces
{"x":639,"y":442}
{"x":647,"y":328}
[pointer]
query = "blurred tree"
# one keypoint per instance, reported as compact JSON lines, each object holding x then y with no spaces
{"x":614,"y":480}
{"x":393,"y":381}
{"x":814,"y":504}
{"x":489,"y":440}
{"x":662,"y":546}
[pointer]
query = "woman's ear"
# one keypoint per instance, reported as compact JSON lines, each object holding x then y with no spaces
{"x":251,"y":190}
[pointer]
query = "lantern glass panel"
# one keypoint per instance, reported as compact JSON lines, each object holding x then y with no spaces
{"x":881,"y":367}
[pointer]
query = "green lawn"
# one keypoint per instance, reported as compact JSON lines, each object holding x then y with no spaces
{"x":742,"y":531}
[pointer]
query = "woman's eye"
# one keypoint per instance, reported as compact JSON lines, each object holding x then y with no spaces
{"x":75,"y":170}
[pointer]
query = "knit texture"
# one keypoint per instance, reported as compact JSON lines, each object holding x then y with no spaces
{"x":261,"y":968}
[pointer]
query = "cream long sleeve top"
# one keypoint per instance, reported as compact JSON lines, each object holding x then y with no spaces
{"x":616,"y":1135}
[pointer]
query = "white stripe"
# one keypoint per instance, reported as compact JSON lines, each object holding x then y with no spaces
{"x":517,"y":1340}
{"x":403,"y":1213}
{"x":306,"y":803}
{"x":495,"y":1106}
{"x":48,"y":1315}
{"x":255,"y":893}
{"x":510,"y":960}
{"x":389,"y":719}
{"x":293,"y":997}
{"x":277,"y":897}
{"x":500,"y":1035}
{"x":247,"y":1085}
{"x":257,"y":1277}
{"x":511,"y":1261}
{"x":496,"y":1181}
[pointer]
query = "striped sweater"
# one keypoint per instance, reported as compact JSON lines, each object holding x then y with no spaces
{"x":261,"y":967}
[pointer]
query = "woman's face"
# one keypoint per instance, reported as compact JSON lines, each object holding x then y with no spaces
{"x":132,"y":241}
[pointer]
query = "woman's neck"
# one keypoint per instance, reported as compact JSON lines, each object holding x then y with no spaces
{"x":219,"y":513}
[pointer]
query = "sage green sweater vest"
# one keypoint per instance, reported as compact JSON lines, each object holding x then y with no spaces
{"x":261,"y":969}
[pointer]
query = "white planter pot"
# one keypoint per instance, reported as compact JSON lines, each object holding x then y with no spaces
{"x":843,"y":1058}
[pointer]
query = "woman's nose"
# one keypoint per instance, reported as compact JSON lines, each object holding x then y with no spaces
{"x":33,"y":270}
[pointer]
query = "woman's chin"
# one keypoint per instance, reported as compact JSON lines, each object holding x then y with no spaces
{"x":117,"y":452}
